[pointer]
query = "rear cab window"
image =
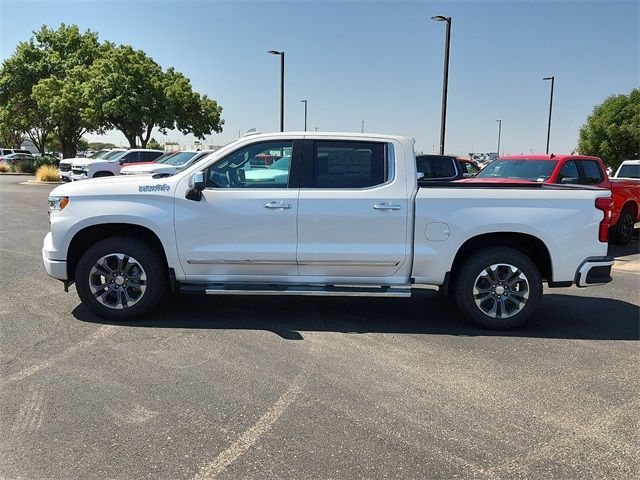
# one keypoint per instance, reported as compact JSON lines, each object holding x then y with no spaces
{"x":592,"y":173}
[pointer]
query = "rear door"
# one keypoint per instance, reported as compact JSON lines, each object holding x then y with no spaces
{"x":352,"y":210}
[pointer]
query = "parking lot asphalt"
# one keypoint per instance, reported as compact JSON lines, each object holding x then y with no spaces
{"x":277,"y":387}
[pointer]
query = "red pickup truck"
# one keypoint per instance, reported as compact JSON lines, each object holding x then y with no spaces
{"x":571,"y":169}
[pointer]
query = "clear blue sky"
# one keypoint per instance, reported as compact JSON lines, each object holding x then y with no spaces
{"x":377,"y":61}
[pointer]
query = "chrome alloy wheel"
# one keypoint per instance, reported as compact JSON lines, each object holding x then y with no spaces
{"x":117,"y":281}
{"x":501,"y":290}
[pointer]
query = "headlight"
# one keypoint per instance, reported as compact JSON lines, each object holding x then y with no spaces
{"x":57,"y":204}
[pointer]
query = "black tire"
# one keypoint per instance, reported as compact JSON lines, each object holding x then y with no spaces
{"x":519,"y":301}
{"x":102,"y":174}
{"x":622,"y":232}
{"x":148,"y":260}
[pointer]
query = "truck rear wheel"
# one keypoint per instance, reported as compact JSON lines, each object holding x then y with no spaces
{"x":622,"y":232}
{"x":121,"y":278}
{"x":498,"y":288}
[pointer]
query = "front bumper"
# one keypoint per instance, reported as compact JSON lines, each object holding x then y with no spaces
{"x":75,"y":177}
{"x":55,"y":268}
{"x":594,"y":271}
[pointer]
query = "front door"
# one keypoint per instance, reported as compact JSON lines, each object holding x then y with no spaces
{"x":352,"y":213}
{"x":245,"y":223}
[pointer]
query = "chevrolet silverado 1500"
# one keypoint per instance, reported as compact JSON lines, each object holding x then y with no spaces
{"x":343,"y":214}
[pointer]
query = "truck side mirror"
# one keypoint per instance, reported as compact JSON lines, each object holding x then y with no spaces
{"x":196,"y":186}
{"x":420,"y":175}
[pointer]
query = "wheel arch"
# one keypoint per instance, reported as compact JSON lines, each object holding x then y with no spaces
{"x":92,"y":234}
{"x":529,"y":245}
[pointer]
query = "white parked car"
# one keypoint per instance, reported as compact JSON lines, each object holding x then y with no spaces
{"x":628,"y":169}
{"x":348,"y":217}
{"x":167,"y":164}
{"x":110,"y":165}
{"x":65,"y":165}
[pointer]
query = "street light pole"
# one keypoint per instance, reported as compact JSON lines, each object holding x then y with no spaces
{"x":499,"y":132}
{"x":552,"y":78}
{"x":275,"y":52}
{"x":445,"y":77}
{"x":305,"y":114}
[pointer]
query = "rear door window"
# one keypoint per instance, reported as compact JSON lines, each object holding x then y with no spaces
{"x":348,"y":164}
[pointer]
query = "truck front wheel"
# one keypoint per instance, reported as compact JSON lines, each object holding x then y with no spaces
{"x":498,"y":288}
{"x":121,"y":278}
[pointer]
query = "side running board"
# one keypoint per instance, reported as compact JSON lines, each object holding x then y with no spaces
{"x":309,"y":290}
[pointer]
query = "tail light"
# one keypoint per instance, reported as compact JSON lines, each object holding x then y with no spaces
{"x":606,"y":205}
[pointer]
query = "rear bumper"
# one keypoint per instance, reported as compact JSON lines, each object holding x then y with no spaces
{"x":594,"y":271}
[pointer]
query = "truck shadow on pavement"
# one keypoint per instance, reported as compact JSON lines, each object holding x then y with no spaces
{"x":560,"y":316}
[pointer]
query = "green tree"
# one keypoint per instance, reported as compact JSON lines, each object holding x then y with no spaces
{"x":612,"y":131}
{"x":132,"y":94}
{"x":48,"y":75}
{"x":154,"y":144}
{"x":101,"y":145}
{"x":11,"y":131}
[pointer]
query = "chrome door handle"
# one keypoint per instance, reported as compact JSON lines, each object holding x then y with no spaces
{"x":278,"y":205}
{"x":387,"y":206}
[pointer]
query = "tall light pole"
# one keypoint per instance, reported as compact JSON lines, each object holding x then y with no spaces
{"x":552,"y":78}
{"x":499,"y":132}
{"x":445,"y":77}
{"x":305,"y":114}
{"x":275,"y":52}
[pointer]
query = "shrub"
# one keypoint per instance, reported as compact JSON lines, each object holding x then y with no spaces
{"x":4,"y":168}
{"x":47,"y":159}
{"x":47,"y":173}
{"x":24,"y":165}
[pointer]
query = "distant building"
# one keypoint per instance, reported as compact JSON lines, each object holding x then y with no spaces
{"x":29,"y":145}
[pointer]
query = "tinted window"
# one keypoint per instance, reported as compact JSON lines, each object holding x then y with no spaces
{"x":569,"y":171}
{"x":244,"y":168}
{"x":115,"y":154}
{"x":629,"y":171}
{"x":592,"y":174}
{"x":348,"y":164}
{"x":131,"y":157}
{"x":151,"y":156}
{"x":436,"y":167}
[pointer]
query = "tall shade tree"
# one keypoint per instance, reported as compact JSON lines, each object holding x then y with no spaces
{"x":128,"y":93}
{"x":612,"y":131}
{"x":48,"y":74}
{"x":131,"y":93}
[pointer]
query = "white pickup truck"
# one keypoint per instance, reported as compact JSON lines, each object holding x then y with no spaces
{"x":347,"y":217}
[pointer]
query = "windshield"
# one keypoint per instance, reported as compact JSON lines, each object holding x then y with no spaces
{"x":533,"y":170}
{"x":114,"y":154}
{"x":176,"y":158}
{"x":99,"y":154}
{"x":629,"y":171}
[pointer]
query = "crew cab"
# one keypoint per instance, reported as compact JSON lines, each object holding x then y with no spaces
{"x":574,"y":170}
{"x":110,"y":165}
{"x":345,"y":216}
